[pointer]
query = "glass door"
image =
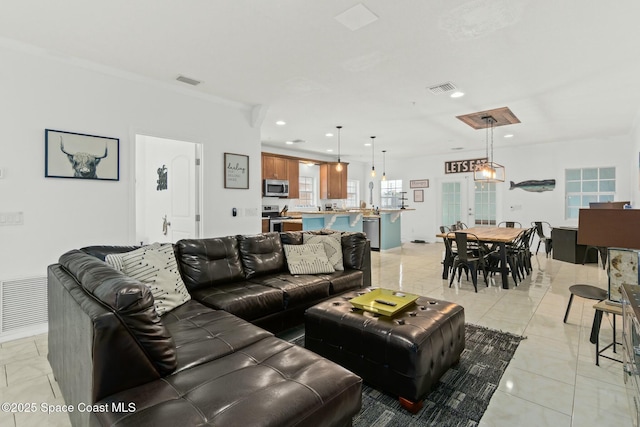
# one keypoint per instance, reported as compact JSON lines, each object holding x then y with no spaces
{"x":454,"y":202}
{"x":470,"y":202}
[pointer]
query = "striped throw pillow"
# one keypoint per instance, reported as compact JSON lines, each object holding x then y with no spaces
{"x":155,"y":265}
{"x":307,"y":259}
{"x":332,"y":247}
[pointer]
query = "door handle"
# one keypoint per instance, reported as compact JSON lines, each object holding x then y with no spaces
{"x":165,"y":225}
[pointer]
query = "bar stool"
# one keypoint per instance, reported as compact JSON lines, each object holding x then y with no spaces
{"x":585,"y":291}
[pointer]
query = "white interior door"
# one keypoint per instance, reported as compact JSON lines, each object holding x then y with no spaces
{"x":172,"y":213}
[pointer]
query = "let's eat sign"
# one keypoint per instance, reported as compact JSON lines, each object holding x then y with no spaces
{"x":463,"y":166}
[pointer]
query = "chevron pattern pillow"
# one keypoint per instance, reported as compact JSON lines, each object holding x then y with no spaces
{"x":307,"y":259}
{"x":332,"y":247}
{"x":155,"y":265}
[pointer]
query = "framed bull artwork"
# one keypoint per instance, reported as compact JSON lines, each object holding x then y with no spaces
{"x":76,"y":155}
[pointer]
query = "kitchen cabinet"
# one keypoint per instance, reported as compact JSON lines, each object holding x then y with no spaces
{"x":274,"y":167}
{"x":293,"y":175}
{"x":333,"y":183}
{"x":265,"y":225}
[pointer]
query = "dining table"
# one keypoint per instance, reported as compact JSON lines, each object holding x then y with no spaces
{"x":499,"y":236}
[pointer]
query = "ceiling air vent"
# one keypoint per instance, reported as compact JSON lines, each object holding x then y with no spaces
{"x":189,"y":81}
{"x":442,"y":88}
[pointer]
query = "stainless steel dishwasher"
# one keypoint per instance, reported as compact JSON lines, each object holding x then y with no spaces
{"x":371,"y":227}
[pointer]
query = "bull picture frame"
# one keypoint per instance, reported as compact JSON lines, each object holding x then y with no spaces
{"x":82,"y":156}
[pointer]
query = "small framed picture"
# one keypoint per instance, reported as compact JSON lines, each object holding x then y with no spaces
{"x":419,"y":183}
{"x":236,"y":171}
{"x":77,"y":155}
{"x":418,"y":195}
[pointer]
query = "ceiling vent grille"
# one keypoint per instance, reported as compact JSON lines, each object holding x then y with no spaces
{"x":442,"y":88}
{"x":189,"y":81}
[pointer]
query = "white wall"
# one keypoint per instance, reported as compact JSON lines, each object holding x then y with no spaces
{"x":542,"y":161}
{"x":42,"y":91}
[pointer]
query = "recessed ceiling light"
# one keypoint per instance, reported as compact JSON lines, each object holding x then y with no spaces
{"x":367,"y":144}
{"x":289,"y":142}
{"x":329,"y":150}
{"x":328,"y":135}
{"x":281,"y":123}
{"x":457,"y":148}
{"x":509,"y":135}
{"x":457,"y":94}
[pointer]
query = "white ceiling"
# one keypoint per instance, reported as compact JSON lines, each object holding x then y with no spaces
{"x":568,"y":69}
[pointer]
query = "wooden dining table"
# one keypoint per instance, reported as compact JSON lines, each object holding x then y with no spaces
{"x":500,"y":236}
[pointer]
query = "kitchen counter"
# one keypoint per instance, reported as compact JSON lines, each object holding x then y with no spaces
{"x":390,"y":224}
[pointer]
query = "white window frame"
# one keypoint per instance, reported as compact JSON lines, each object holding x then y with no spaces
{"x":353,"y":193}
{"x":587,"y":187}
{"x":303,"y":182}
{"x":392,"y":198}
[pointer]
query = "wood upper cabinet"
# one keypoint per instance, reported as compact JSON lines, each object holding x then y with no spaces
{"x":274,"y":167}
{"x":333,"y":183}
{"x":294,"y":178}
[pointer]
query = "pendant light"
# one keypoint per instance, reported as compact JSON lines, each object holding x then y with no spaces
{"x":373,"y":168}
{"x":384,"y":165}
{"x":489,"y":171}
{"x":339,"y":165}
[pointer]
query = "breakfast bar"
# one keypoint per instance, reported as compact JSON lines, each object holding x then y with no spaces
{"x":390,"y":223}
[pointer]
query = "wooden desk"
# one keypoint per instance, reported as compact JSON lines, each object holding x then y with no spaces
{"x":498,"y":235}
{"x":603,"y":307}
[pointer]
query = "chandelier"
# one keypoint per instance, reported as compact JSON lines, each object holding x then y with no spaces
{"x":489,"y":171}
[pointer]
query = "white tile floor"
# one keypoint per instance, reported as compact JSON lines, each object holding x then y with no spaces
{"x":551,"y":381}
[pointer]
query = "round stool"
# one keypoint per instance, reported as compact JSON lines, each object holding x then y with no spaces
{"x":585,"y":291}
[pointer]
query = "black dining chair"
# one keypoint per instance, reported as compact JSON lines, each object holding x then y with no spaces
{"x":510,"y":224}
{"x":449,"y":250}
{"x":472,"y":260}
{"x":540,"y":227}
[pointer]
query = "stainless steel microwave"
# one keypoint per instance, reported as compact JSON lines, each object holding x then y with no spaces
{"x":276,"y":188}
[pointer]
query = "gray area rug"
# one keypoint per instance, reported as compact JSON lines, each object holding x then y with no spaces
{"x":461,"y":396}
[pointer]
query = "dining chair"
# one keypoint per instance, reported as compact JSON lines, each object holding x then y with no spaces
{"x":461,"y":225}
{"x":540,"y":229}
{"x":466,"y":258}
{"x":510,"y":224}
{"x":516,"y":257}
{"x":449,"y":250}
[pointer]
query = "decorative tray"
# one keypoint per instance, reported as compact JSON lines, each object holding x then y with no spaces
{"x":383,"y":301}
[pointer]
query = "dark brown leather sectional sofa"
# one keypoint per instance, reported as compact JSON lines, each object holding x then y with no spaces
{"x":209,"y":361}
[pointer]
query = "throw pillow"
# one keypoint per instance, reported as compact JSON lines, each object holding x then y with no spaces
{"x":332,"y":246}
{"x":155,"y":265}
{"x":307,"y":259}
{"x":114,"y":260}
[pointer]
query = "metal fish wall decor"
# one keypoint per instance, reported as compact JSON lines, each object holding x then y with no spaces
{"x":535,"y":186}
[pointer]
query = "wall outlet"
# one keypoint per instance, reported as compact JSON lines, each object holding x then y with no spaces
{"x":11,"y":218}
{"x":1,"y":173}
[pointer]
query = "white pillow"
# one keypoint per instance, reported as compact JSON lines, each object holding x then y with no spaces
{"x":114,"y":260}
{"x":155,"y":265}
{"x":332,"y":246}
{"x":307,"y":259}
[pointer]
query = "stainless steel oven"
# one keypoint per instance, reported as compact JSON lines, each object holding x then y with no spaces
{"x":273,"y":212}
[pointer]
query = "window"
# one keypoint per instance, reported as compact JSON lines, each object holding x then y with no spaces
{"x":307,"y":195}
{"x":451,"y":203}
{"x":353,"y":193}
{"x":588,"y":185}
{"x":485,"y":203}
{"x":391,"y":193}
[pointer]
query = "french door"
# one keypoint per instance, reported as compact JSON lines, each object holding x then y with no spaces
{"x":470,"y":202}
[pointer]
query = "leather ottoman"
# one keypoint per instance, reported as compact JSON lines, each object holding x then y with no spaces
{"x":404,"y":355}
